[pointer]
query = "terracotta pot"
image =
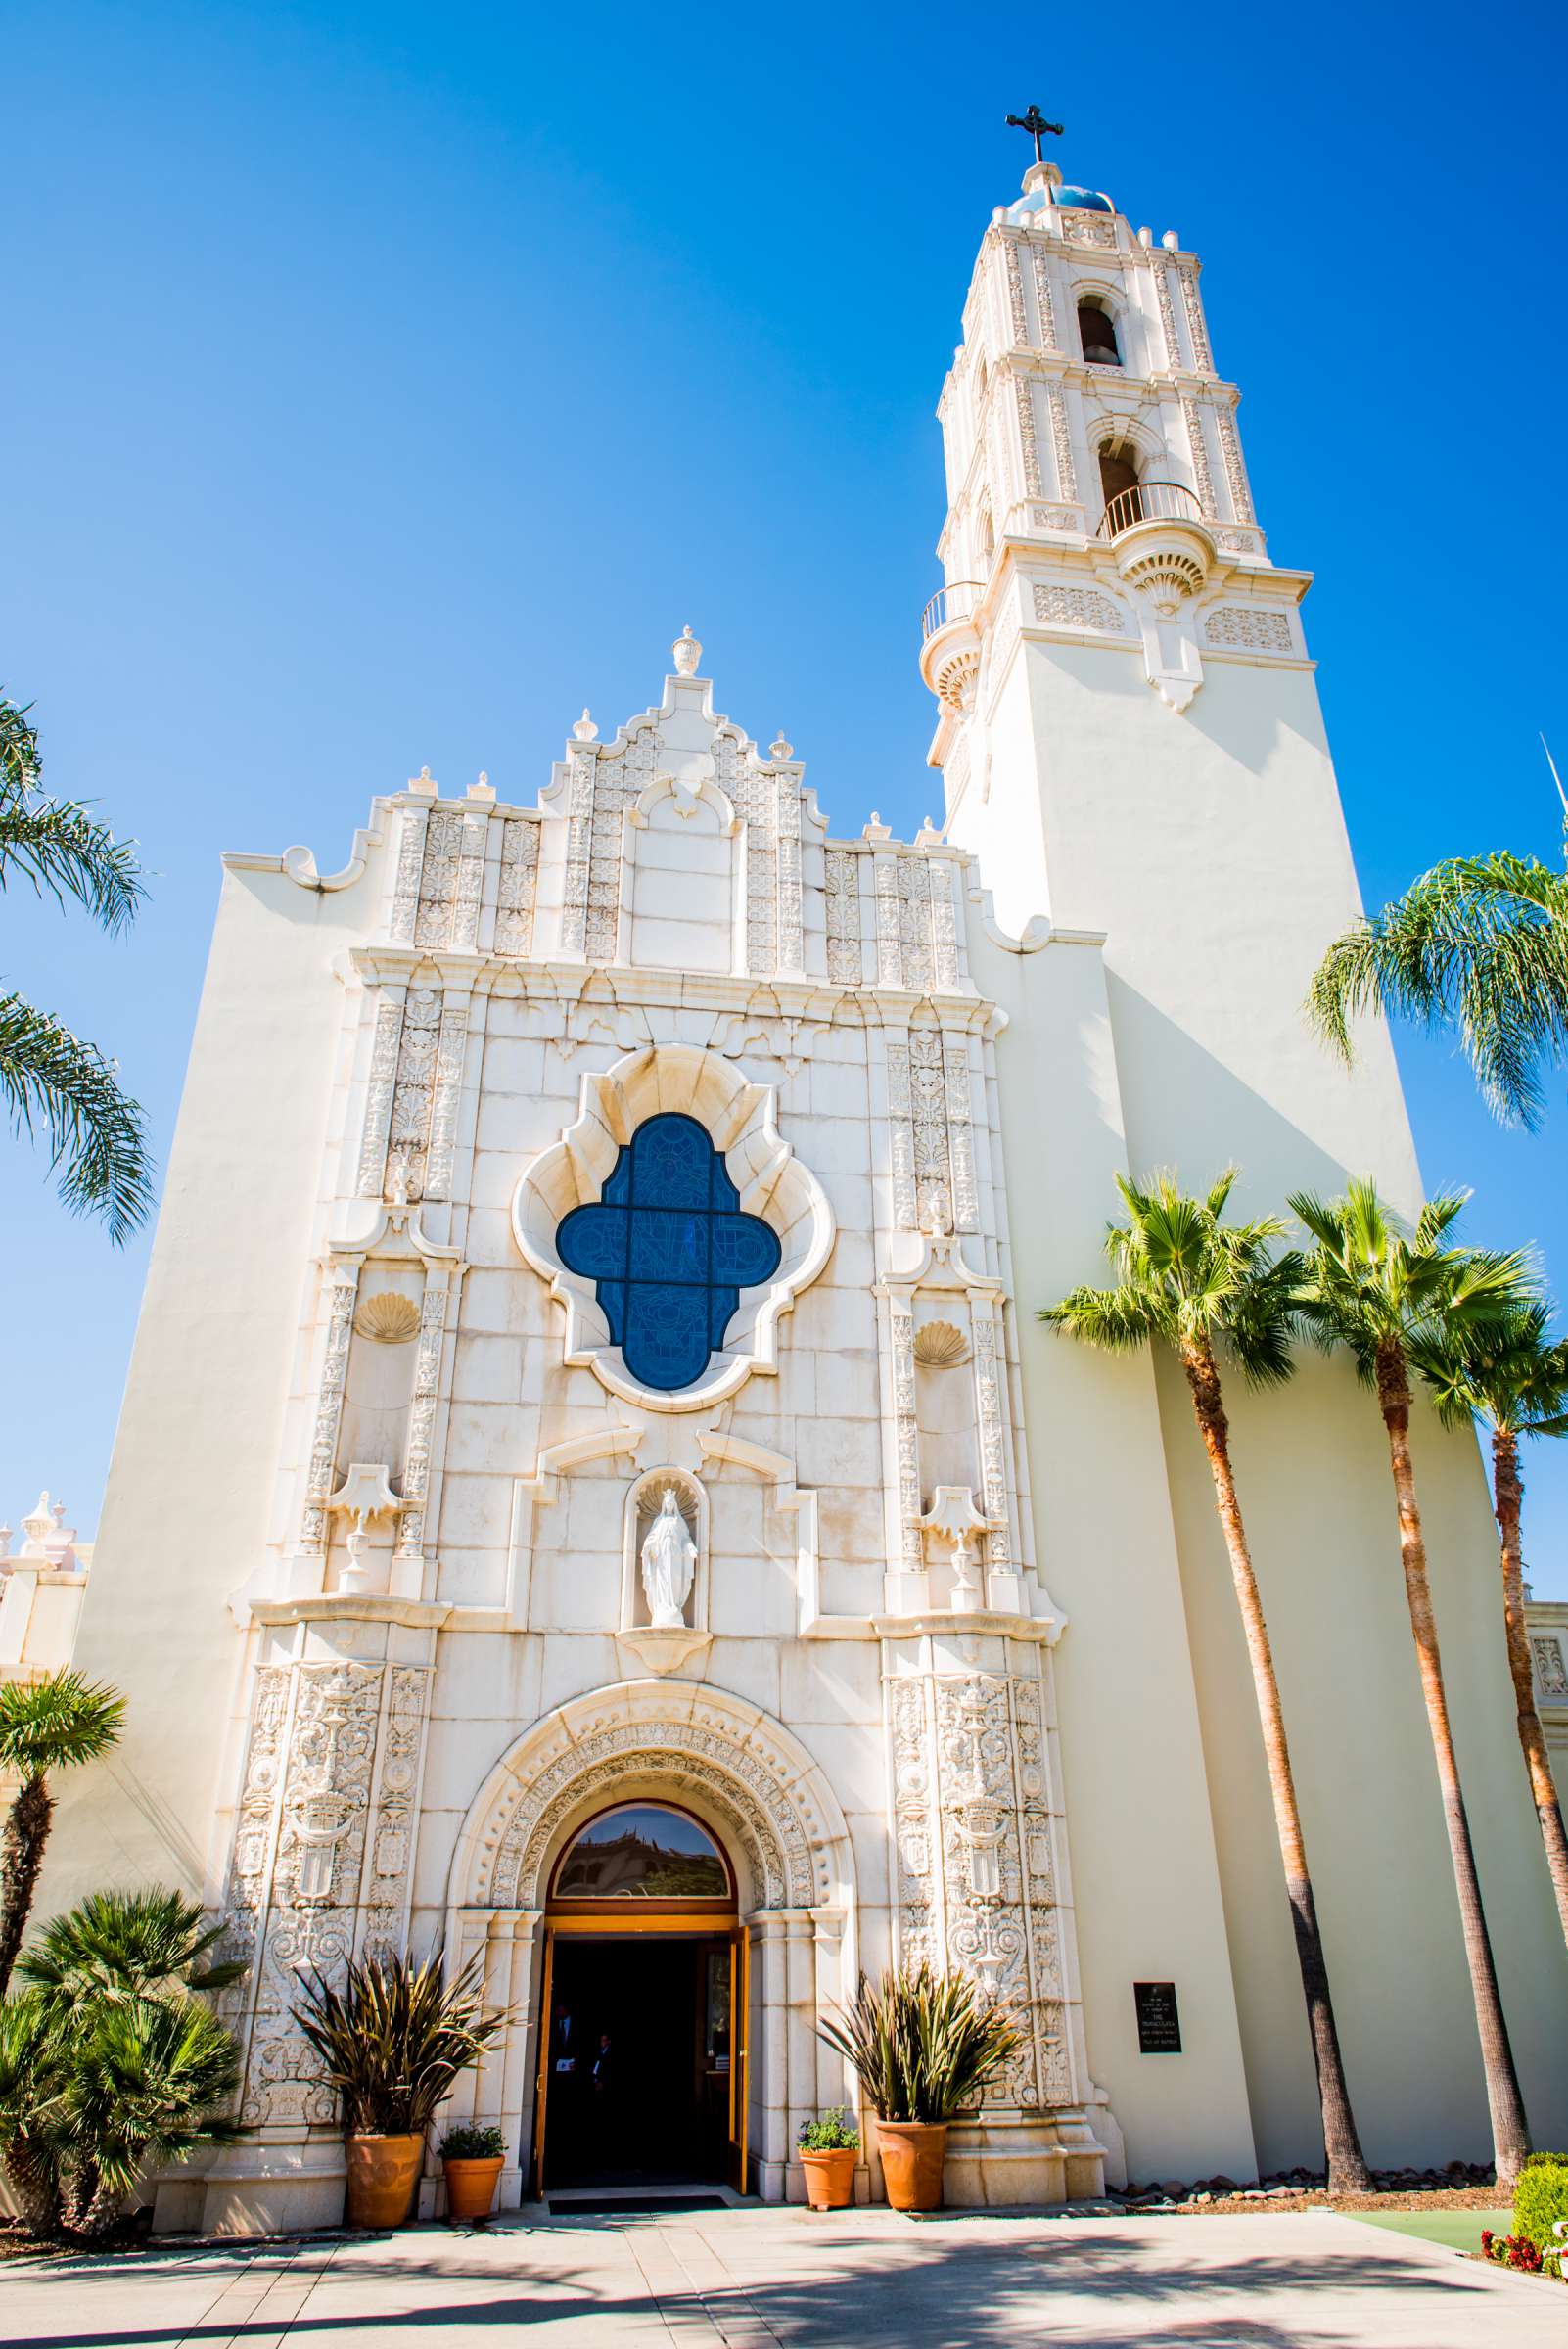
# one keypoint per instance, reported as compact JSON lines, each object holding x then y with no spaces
{"x":383,"y":2173}
{"x":829,"y":2176}
{"x":471,"y":2186}
{"x":912,"y":2154}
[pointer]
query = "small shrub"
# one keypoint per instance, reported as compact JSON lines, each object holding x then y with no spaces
{"x":473,"y":2145}
{"x":924,"y":2045}
{"x":1541,"y":2196}
{"x":834,"y":2133}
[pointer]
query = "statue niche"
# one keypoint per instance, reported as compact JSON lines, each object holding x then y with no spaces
{"x":668,"y":1566}
{"x":663,"y":1590}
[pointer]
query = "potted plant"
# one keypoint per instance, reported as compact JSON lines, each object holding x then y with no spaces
{"x":829,"y":2151}
{"x":923,"y":2045}
{"x":391,"y":2040}
{"x":472,"y":2159}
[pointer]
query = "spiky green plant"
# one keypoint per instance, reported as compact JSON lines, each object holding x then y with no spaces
{"x":1480,"y":945}
{"x":58,"y":1723}
{"x":149,"y":2081}
{"x":1217,"y":1292}
{"x":1513,"y":1378}
{"x":394,"y":2039}
{"x":923,"y":2045}
{"x":122,"y":1945}
{"x":34,"y":2131}
{"x":49,"y":1078}
{"x":1382,"y":1292}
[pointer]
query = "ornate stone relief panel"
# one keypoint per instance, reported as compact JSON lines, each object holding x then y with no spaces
{"x":1551,"y":1675}
{"x":974,"y":1823}
{"x":1033,"y":485}
{"x":517,"y":887}
{"x":322,"y":1853}
{"x":343,"y":1290}
{"x":411,"y":824}
{"x":1044,"y":302}
{"x":845,"y":956}
{"x":451,"y":881}
{"x":1077,"y":608}
{"x":1193,"y":418}
{"x":1168,"y":324}
{"x":1197,"y":330}
{"x":1090,"y":228}
{"x":917,"y":937}
{"x":1234,"y":625}
{"x":1017,"y":315}
{"x":1235,"y":471}
{"x":768,"y":803}
{"x":602,"y":784}
{"x":409,"y":1137}
{"x":933,"y":1151}
{"x":1061,"y":443}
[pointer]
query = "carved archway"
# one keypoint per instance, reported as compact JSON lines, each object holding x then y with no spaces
{"x":768,"y":1799}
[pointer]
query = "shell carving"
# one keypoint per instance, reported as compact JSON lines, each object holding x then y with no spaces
{"x":939,"y":1345}
{"x":387,"y":1319}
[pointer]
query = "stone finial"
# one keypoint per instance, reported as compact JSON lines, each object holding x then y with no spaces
{"x":586,"y":730}
{"x":687,"y":652}
{"x":1145,"y":238}
{"x":876,"y":829}
{"x":778,"y":747}
{"x":1171,"y":241}
{"x":929,"y":835}
{"x":423,"y":784}
{"x":483,"y":788}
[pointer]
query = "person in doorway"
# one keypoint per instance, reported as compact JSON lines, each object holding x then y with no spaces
{"x":567,"y":2083}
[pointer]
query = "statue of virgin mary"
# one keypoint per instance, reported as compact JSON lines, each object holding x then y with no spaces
{"x":669,"y":1564}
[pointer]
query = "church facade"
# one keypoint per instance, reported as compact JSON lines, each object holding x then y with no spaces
{"x":593,"y":1496}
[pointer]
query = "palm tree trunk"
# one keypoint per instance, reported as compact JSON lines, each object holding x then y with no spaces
{"x":30,"y":2176}
{"x":1508,"y":1489}
{"x":20,"y":1858}
{"x":1346,"y":2164}
{"x":1511,"y":2135}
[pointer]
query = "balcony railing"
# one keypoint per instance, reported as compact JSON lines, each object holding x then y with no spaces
{"x":958,"y":601}
{"x":1148,"y":501}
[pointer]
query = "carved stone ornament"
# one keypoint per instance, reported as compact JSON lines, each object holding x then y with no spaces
{"x":735,"y":1765}
{"x":771,"y":1182}
{"x":387,"y":1318}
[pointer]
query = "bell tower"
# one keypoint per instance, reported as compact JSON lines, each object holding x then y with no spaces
{"x":1128,"y":731}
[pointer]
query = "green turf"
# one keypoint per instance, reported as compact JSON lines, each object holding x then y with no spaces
{"x":1455,"y":2229}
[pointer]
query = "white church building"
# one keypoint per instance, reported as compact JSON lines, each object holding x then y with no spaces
{"x":593,"y":1491}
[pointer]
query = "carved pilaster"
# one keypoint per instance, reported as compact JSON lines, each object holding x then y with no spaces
{"x":1197,"y":330}
{"x":1061,"y":444}
{"x":383,"y":1084}
{"x":974,"y":1823}
{"x":322,"y":1855}
{"x":1235,"y":470}
{"x":1033,"y":485}
{"x":1192,"y":415}
{"x":343,"y":1287}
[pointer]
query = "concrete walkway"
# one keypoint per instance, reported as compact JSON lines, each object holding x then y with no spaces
{"x":756,"y":2279}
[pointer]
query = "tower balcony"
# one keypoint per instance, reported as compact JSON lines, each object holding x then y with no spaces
{"x":1161,"y":542}
{"x":949,"y":650}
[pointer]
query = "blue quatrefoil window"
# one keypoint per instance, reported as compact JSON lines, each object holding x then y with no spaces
{"x":668,"y":1251}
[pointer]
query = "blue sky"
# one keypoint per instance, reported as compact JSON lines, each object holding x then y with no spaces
{"x":384,"y":384}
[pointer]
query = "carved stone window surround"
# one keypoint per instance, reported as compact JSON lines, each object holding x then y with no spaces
{"x":740,"y":1116}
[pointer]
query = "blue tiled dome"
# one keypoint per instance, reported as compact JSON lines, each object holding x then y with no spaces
{"x":1085,"y":200}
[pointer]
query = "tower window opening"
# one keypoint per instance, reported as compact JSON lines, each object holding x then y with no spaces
{"x":1119,"y":480}
{"x":1098,"y":335}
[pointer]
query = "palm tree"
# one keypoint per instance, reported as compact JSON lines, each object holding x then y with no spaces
{"x":1479,"y":943}
{"x":1380,"y":1291}
{"x":53,"y":1723}
{"x":49,"y":1076}
{"x":125,"y":1945}
{"x":1514,"y":1380}
{"x":148,"y":2083}
{"x":1187,"y":1279}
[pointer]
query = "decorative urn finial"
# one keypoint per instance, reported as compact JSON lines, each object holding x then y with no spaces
{"x":585,"y":729}
{"x":687,"y":653}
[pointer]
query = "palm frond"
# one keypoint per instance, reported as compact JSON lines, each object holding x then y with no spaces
{"x":57,"y":1723}
{"x":1479,"y":943}
{"x":924,"y":2045}
{"x":395,"y":2037}
{"x":120,"y":1946}
{"x":95,"y":1131}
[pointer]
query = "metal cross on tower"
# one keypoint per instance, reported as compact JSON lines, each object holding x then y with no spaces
{"x":1036,"y":127}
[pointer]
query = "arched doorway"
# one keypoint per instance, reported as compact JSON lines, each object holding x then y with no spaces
{"x":642,"y":2079}
{"x":771,"y":1811}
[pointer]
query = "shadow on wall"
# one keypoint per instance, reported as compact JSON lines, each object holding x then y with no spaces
{"x":1187,"y":1110}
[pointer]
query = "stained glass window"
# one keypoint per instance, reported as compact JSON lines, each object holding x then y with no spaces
{"x":668,"y":1251}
